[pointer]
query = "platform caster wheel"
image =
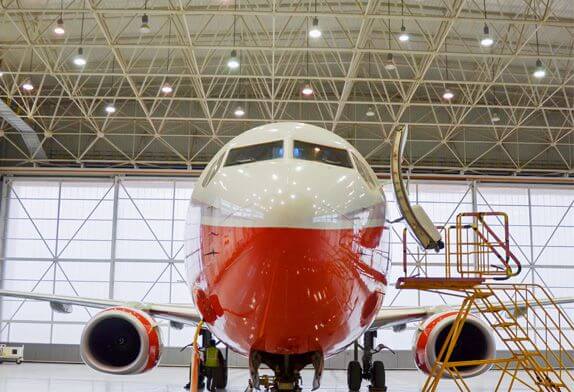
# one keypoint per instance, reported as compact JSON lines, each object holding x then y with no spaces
{"x":378,"y":376}
{"x":354,"y":376}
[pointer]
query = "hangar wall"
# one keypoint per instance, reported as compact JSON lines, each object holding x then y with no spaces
{"x":121,"y":238}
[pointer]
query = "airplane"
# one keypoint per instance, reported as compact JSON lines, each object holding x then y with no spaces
{"x":287,"y":262}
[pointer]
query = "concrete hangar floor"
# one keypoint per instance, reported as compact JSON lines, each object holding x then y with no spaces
{"x":36,"y":377}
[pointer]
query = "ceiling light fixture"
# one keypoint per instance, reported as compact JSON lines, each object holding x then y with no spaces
{"x":495,"y":117}
{"x":404,"y":36}
{"x":110,"y":108}
{"x":390,"y":63}
{"x":487,"y":40}
{"x":370,"y":112}
{"x":448,"y":94}
{"x":59,"y":28}
{"x":239,"y":112}
{"x":307,"y":90}
{"x":144,"y":27}
{"x":79,"y":59}
{"x":315,"y":32}
{"x":166,"y":88}
{"x":233,"y":62}
{"x":539,"y":70}
{"x":27,"y":84}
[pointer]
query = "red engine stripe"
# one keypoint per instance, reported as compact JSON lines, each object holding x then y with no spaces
{"x":422,"y":341}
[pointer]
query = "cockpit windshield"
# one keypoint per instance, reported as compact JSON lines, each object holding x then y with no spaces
{"x":316,"y":152}
{"x":255,"y":153}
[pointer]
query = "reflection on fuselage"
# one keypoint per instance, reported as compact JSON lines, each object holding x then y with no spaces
{"x":287,"y":255}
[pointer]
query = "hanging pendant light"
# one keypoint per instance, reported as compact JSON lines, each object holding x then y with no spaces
{"x":539,"y":70}
{"x":390,"y":63}
{"x":110,"y":108}
{"x":233,"y":62}
{"x":59,"y":28}
{"x":166,"y":88}
{"x":239,"y":112}
{"x":370,"y":112}
{"x":404,"y":36}
{"x":307,"y":90}
{"x":79,"y":59}
{"x":315,"y":32}
{"x":27,"y":84}
{"x":448,"y":94}
{"x":487,"y":40}
{"x":145,"y":27}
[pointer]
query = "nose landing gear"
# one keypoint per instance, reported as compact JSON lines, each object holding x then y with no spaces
{"x":372,"y":371}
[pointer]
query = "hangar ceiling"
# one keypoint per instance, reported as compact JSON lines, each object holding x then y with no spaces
{"x":502,"y":119}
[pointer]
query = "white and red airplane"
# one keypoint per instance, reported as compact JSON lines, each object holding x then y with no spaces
{"x":287,"y":263}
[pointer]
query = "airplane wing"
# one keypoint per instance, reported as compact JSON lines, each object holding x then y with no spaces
{"x":397,"y":317}
{"x":177,"y":314}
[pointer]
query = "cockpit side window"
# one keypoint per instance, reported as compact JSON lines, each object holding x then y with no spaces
{"x":255,"y":153}
{"x":213,"y":170}
{"x":316,"y":152}
{"x":364,"y":172}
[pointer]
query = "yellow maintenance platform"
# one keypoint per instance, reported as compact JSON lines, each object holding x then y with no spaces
{"x":478,"y":266}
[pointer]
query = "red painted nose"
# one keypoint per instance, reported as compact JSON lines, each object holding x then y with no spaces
{"x":286,"y":290}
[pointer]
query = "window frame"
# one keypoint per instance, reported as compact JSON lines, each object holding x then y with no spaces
{"x":313,"y":144}
{"x":282,"y":141}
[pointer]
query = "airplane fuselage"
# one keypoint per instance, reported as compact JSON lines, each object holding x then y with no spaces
{"x":287,"y":250}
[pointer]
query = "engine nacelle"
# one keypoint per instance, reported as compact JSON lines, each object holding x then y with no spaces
{"x":121,"y":341}
{"x":476,"y":342}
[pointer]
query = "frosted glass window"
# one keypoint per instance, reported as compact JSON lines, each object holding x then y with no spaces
{"x":60,"y":239}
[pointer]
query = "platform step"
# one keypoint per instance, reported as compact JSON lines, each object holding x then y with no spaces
{"x":548,"y":383}
{"x":494,"y":309}
{"x":505,"y":324}
{"x":516,"y":339}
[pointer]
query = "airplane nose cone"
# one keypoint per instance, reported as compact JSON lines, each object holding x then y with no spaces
{"x":289,"y":207}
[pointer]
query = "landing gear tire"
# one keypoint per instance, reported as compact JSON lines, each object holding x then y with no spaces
{"x":378,"y":375}
{"x":354,"y":376}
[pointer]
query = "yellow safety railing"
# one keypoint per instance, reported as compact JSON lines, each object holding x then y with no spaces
{"x":476,"y":264}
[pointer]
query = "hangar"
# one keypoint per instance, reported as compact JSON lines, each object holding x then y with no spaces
{"x":343,"y":143}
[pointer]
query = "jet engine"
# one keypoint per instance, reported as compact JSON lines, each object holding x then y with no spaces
{"x":476,"y":342}
{"x":121,"y":340}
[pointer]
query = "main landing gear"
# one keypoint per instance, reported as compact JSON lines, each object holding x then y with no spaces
{"x":372,"y":371}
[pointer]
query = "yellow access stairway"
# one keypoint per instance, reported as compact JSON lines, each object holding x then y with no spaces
{"x":534,"y":329}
